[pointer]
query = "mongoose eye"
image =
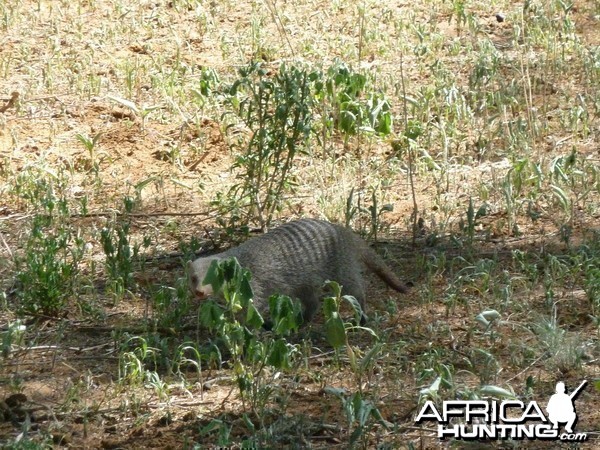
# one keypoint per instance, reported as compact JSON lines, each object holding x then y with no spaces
{"x":194,"y":279}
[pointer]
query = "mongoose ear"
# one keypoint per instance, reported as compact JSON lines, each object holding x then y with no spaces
{"x":189,"y":264}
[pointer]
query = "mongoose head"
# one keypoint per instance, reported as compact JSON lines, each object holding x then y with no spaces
{"x":196,"y":273}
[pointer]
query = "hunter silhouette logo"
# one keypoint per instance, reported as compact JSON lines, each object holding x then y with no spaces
{"x":560,"y":406}
{"x":507,"y":419}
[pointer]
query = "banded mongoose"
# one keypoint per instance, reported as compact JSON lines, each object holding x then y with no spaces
{"x":295,"y":259}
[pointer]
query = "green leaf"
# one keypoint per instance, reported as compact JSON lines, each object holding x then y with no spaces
{"x":329,"y":307}
{"x":485,"y":318}
{"x":367,"y":360}
{"x":335,"y":330}
{"x":279,"y":356}
{"x":496,"y":392}
{"x":358,"y":312}
{"x":248,"y":422}
{"x":213,"y":425}
{"x":414,"y":129}
{"x":126,"y":103}
{"x":431,"y":390}
{"x":377,"y":415}
{"x":482,"y":211}
{"x":561,"y":195}
{"x":213,"y":276}
{"x":285,"y":314}
{"x":355,"y":435}
{"x":211,"y":314}
{"x":362,"y":410}
{"x":245,"y":290}
{"x":253,"y":317}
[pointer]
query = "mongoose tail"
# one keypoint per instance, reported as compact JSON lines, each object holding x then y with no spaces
{"x":374,"y":262}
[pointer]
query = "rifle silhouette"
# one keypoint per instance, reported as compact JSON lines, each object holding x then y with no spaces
{"x":576,"y":391}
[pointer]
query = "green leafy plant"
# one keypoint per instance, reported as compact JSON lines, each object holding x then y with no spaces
{"x":345,"y":105}
{"x":468,"y":227}
{"x":170,"y":304}
{"x":48,"y":268}
{"x":592,"y":283}
{"x":237,"y":324}
{"x":133,"y":362}
{"x":221,"y":429}
{"x":208,"y":83}
{"x":90,"y":144}
{"x":276,"y":109}
{"x":119,"y":257}
{"x":47,"y":272}
{"x":361,"y":415}
{"x":120,"y":254}
{"x":336,"y":329}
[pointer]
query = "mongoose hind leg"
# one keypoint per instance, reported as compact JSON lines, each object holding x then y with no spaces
{"x":310,"y":303}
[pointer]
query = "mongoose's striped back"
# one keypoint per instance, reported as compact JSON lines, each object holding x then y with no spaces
{"x":295,"y":259}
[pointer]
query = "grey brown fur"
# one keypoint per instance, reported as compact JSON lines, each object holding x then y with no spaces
{"x":296,"y":258}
